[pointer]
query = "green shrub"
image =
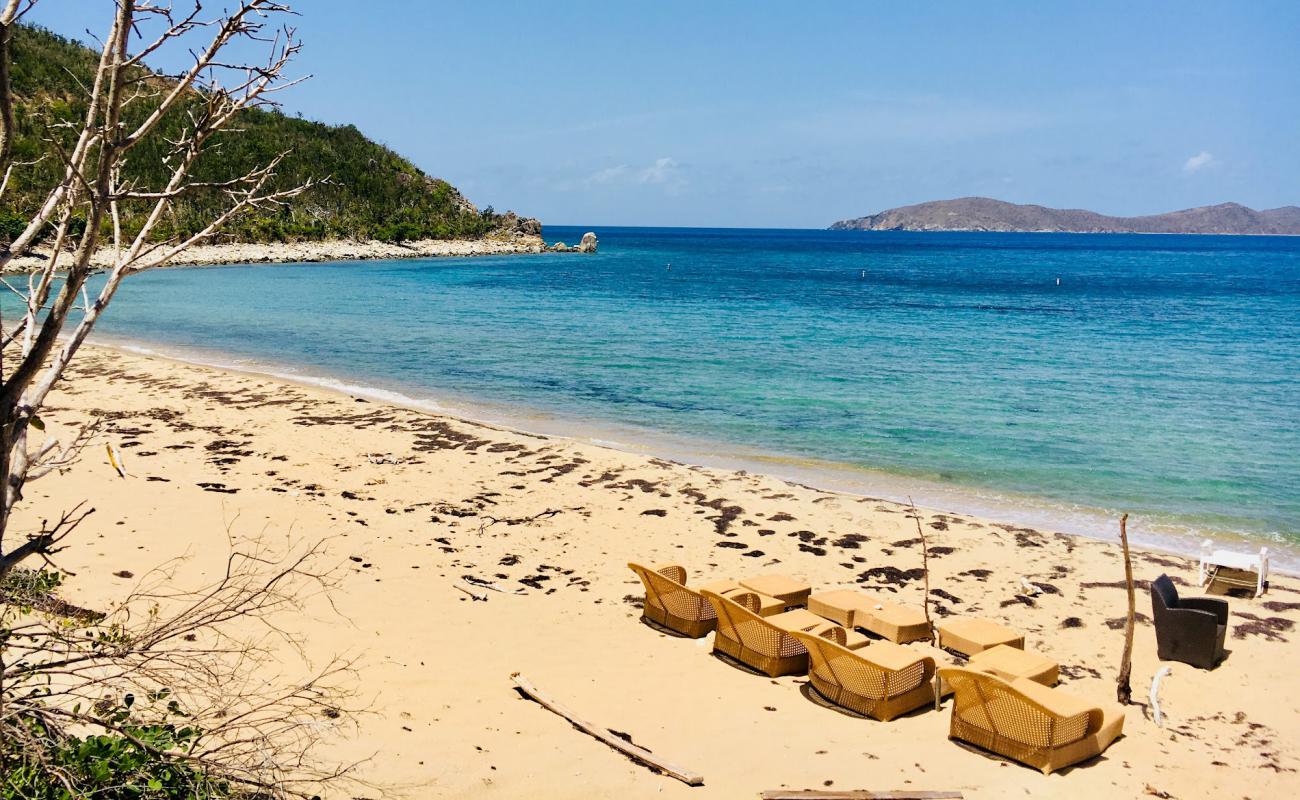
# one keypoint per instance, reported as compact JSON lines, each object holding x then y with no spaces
{"x":136,"y":762}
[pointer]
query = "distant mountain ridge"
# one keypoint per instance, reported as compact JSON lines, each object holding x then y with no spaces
{"x":987,"y":214}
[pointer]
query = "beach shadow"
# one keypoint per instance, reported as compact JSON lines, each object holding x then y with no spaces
{"x":992,"y":756}
{"x":739,"y":665}
{"x":813,"y":696}
{"x":658,"y":628}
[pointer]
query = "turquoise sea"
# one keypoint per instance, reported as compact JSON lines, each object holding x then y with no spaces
{"x":1039,"y":378}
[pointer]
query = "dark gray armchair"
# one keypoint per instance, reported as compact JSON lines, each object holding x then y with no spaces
{"x":1190,"y":630}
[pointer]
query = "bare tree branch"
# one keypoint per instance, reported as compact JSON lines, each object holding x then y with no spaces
{"x":212,"y":656}
{"x":59,"y":312}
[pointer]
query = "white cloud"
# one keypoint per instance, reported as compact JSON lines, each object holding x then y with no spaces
{"x":664,"y":170}
{"x":1198,"y":162}
{"x":608,"y":174}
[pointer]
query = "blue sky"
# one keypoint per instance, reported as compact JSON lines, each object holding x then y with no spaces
{"x":795,"y":115}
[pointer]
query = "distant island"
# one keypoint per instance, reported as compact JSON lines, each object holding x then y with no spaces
{"x":987,"y":214}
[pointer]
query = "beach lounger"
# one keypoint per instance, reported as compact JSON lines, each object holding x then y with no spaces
{"x":853,"y":609}
{"x":757,"y":642}
{"x":970,"y":635}
{"x":900,"y":624}
{"x":801,"y":620}
{"x":767,"y":606}
{"x":670,"y":604}
{"x":792,"y":591}
{"x":841,"y":606}
{"x":1045,"y":728}
{"x":882,"y":680}
{"x":1010,"y":663}
{"x":1191,"y":629}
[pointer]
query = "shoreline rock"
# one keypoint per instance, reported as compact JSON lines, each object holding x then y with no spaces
{"x":312,"y":252}
{"x":520,"y":242}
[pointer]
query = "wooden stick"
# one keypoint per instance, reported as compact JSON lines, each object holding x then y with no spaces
{"x":496,"y":587}
{"x":925,"y":571}
{"x":1123,"y":689}
{"x":475,"y":595}
{"x":639,"y":754}
{"x":860,"y":794}
{"x":1155,"y":697}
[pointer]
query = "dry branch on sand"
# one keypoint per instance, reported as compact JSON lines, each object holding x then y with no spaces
{"x":626,"y":747}
{"x":210,"y":661}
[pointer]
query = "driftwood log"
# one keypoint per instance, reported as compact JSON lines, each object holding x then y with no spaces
{"x":1123,"y":688}
{"x":1155,"y":697}
{"x":473,"y":594}
{"x":632,"y":751}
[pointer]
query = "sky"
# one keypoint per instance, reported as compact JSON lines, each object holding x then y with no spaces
{"x":768,"y":114}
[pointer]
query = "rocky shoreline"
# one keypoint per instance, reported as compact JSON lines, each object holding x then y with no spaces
{"x":333,"y":250}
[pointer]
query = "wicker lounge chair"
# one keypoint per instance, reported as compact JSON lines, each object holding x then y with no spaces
{"x":670,"y":604}
{"x":1028,"y":722}
{"x":1191,"y":629}
{"x":882,"y":680}
{"x":753,"y":640}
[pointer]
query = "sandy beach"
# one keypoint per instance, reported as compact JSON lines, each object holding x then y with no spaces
{"x":411,"y":503}
{"x":307,"y":252}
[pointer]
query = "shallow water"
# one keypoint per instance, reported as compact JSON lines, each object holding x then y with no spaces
{"x":1068,"y":377}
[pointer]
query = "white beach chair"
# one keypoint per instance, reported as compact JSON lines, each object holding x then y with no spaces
{"x":1253,"y":565}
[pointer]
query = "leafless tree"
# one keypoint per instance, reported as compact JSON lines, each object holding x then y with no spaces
{"x":57,"y":307}
{"x":207,"y":656}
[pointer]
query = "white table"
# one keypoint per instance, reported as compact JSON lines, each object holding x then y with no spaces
{"x":1214,"y":561}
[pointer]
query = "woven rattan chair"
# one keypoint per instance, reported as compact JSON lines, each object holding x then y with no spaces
{"x":882,"y":680}
{"x":670,"y":604}
{"x":752,"y":640}
{"x":1028,"y":722}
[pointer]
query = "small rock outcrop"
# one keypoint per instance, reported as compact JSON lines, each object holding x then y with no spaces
{"x":515,"y":225}
{"x":558,"y":247}
{"x":588,"y":243}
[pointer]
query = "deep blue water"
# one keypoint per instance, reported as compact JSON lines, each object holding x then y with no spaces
{"x":1160,"y":376}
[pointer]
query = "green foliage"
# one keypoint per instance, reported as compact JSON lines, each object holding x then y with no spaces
{"x":119,"y":749}
{"x":11,"y":224}
{"x":25,"y":585}
{"x":371,"y":192}
{"x":131,"y":761}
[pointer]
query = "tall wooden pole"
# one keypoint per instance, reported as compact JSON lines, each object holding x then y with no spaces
{"x":1123,"y":691}
{"x":925,"y":567}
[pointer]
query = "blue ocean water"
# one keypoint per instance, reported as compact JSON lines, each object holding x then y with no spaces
{"x":1061,"y":378}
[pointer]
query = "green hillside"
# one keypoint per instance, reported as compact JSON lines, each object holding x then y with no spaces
{"x":373,"y":193}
